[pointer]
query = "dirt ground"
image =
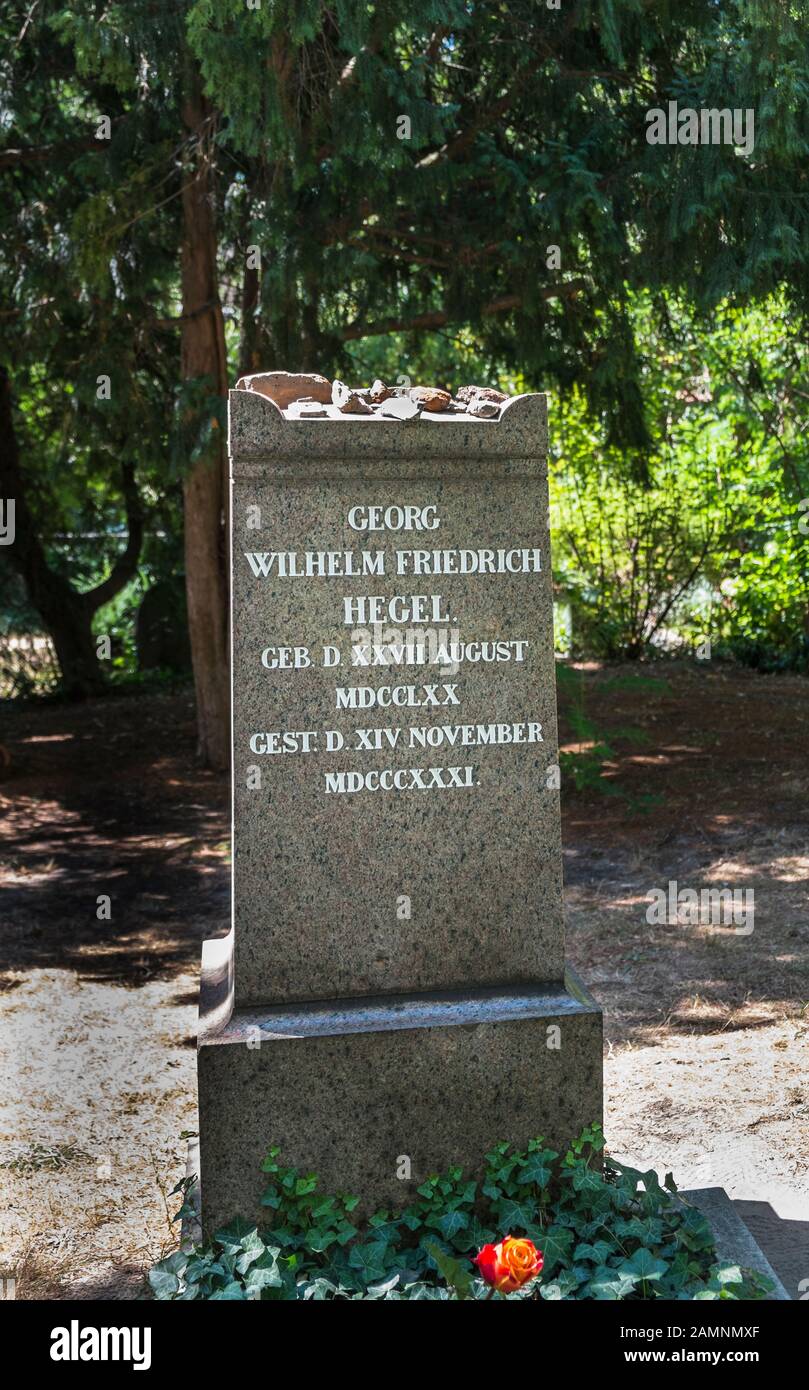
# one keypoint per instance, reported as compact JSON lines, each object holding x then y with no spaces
{"x":706,"y":1028}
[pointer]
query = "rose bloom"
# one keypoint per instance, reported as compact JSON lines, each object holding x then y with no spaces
{"x":509,"y":1264}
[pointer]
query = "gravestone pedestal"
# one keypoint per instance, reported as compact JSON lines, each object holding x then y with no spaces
{"x":393,"y":998}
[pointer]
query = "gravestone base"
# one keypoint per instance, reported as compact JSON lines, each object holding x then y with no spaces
{"x":363,"y":1090}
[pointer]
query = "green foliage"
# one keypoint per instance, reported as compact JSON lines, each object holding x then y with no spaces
{"x":427,"y":256}
{"x":367,"y":237}
{"x":527,"y":131}
{"x":606,"y":1232}
{"x":88,"y":276}
{"x":712,"y":542}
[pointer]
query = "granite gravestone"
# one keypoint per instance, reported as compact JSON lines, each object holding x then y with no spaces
{"x":394,"y":984}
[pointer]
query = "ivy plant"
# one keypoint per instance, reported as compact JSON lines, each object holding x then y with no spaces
{"x":606,"y":1231}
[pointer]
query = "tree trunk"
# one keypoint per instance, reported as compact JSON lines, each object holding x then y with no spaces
{"x":66,"y":614}
{"x":205,"y":488}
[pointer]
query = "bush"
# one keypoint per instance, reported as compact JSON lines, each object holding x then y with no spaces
{"x":707,"y":534}
{"x":606,"y":1232}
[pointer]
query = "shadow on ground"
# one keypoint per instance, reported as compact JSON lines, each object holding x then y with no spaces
{"x":116,"y":862}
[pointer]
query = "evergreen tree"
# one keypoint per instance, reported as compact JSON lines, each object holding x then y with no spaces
{"x":486,"y":168}
{"x":87,"y":372}
{"x":334,"y":185}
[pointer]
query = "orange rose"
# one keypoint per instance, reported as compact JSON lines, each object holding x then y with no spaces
{"x":509,"y":1264}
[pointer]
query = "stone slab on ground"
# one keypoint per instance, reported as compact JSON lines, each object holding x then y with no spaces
{"x":734,"y":1241}
{"x":784,"y":1241}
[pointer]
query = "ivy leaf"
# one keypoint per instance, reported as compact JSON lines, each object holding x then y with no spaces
{"x":163,"y":1277}
{"x":569,"y":1280}
{"x":248,"y":1258}
{"x":234,"y":1234}
{"x":611,"y":1284}
{"x":475,"y":1236}
{"x":265,"y":1273}
{"x":644,"y":1264}
{"x":320,"y":1240}
{"x":587,"y":1180}
{"x":536,"y":1170}
{"x":516,"y":1215}
{"x":556,"y":1243}
{"x":646,"y":1229}
{"x":369,"y":1259}
{"x":452,"y":1222}
{"x":599,"y":1206}
{"x":200,"y":1267}
{"x":598,"y":1253}
{"x":651,"y":1183}
{"x":585,"y":1231}
{"x":383,"y":1290}
{"x":681,"y":1269}
{"x":695,"y":1232}
{"x":632,"y":1176}
{"x":456,"y":1275}
{"x":318,"y":1290}
{"x":383,"y":1227}
{"x":284,"y":1236}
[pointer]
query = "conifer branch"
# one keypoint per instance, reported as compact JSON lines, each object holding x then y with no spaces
{"x":438,"y":318}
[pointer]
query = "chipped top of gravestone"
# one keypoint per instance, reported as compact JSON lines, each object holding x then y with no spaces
{"x":259,"y":430}
{"x":284,"y":388}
